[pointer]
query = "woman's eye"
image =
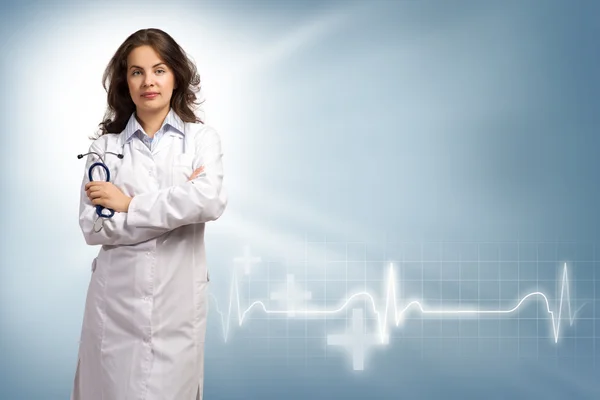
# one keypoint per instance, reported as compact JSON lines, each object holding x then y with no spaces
{"x":158,"y":70}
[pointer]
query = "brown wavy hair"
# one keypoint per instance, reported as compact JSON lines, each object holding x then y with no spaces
{"x":121,"y":106}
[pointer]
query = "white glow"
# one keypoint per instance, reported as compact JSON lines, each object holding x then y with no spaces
{"x":62,"y":99}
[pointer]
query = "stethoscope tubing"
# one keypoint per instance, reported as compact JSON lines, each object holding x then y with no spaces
{"x":100,"y":164}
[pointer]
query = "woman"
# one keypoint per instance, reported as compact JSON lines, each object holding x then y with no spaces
{"x":145,"y":313}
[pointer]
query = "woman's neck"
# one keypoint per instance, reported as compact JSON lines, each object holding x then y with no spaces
{"x":151,"y":121}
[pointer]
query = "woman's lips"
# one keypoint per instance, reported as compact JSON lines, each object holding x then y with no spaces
{"x":150,"y":96}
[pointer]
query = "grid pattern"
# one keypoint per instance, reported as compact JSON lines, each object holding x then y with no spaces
{"x":440,"y":275}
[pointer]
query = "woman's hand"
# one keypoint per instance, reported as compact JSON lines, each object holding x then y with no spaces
{"x":107,"y":195}
{"x":196,"y":172}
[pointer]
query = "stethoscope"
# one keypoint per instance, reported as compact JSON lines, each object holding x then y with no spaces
{"x":101,"y":164}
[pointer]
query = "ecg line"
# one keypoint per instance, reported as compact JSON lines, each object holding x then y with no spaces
{"x":391,"y":301}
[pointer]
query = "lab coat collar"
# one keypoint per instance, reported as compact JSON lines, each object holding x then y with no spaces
{"x":172,"y":119}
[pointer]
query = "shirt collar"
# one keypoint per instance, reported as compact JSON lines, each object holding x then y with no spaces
{"x":172,"y":119}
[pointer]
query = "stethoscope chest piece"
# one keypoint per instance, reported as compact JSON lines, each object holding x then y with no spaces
{"x":98,"y":224}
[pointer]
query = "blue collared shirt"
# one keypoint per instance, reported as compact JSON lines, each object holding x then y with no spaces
{"x":172,"y":122}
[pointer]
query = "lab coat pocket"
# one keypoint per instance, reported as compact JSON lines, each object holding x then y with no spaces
{"x":182,"y":169}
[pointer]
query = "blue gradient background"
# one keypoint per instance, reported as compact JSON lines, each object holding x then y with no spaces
{"x":419,"y":132}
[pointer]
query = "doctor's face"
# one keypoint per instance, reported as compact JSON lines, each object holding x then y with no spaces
{"x":150,"y":80}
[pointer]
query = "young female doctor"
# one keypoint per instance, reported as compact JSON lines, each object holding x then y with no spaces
{"x":145,"y":313}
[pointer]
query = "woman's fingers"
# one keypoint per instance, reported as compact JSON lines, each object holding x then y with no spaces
{"x":92,"y":194}
{"x":196,"y":172}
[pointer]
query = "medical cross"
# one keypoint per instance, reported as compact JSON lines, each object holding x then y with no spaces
{"x":357,"y":340}
{"x":246,"y":260}
{"x":292,"y":295}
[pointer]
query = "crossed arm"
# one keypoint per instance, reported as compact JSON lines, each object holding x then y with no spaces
{"x":150,"y":215}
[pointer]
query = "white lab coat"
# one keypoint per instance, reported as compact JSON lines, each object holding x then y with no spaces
{"x":145,"y":313}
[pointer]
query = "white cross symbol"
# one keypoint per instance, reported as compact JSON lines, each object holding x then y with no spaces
{"x":292,"y":295}
{"x":357,"y":340}
{"x":247,"y":260}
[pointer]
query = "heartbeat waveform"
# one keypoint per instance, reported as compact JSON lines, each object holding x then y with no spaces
{"x":391,"y":304}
